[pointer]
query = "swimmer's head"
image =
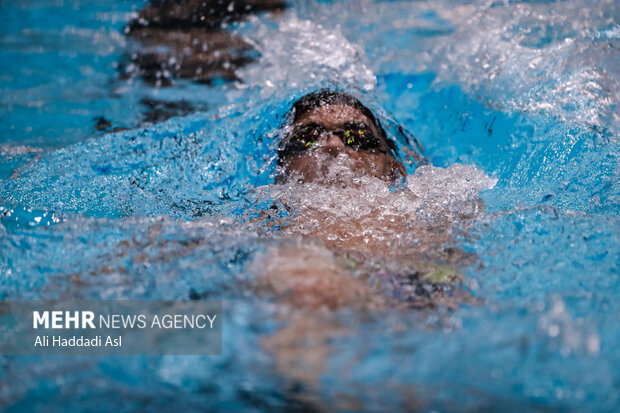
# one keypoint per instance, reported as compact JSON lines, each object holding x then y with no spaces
{"x":334,"y":128}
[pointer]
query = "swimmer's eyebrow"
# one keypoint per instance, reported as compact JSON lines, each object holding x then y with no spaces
{"x":311,"y":125}
{"x":356,"y":125}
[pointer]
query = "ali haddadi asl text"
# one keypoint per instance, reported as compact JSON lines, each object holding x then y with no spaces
{"x":78,"y":341}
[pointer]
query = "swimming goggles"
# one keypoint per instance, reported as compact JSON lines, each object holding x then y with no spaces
{"x":353,"y":135}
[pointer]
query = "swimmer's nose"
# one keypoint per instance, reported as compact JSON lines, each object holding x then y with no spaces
{"x":333,"y":144}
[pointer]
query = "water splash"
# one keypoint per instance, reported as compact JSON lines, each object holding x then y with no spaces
{"x":539,"y":59}
{"x":301,"y":54}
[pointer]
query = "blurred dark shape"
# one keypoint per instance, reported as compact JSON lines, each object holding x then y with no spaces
{"x":161,"y":110}
{"x":185,"y":39}
{"x":102,"y":123}
{"x":203,"y":57}
{"x":105,"y":125}
{"x":201,"y":14}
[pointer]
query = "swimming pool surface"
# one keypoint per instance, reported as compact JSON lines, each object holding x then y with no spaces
{"x":527,"y":92}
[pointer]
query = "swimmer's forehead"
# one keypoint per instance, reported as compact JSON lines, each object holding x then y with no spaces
{"x":333,"y":116}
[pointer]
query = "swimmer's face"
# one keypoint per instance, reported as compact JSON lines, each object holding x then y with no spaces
{"x":337,"y":134}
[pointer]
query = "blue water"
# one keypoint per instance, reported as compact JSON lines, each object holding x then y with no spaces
{"x":525,"y":91}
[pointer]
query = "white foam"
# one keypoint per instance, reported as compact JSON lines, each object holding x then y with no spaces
{"x":302,"y":54}
{"x":367,"y":212}
{"x":529,"y":57}
{"x":512,"y":56}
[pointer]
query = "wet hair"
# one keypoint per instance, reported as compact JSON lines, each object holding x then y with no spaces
{"x":325,"y":97}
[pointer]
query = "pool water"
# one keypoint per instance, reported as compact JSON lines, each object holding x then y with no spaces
{"x":515,"y":103}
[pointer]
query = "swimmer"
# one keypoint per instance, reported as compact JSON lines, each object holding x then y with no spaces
{"x":344,"y":260}
{"x":188,"y":40}
{"x":172,"y":39}
{"x":335,"y":150}
{"x":329,"y":127}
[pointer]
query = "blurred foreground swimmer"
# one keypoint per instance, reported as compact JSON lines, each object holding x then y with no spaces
{"x":335,"y":128}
